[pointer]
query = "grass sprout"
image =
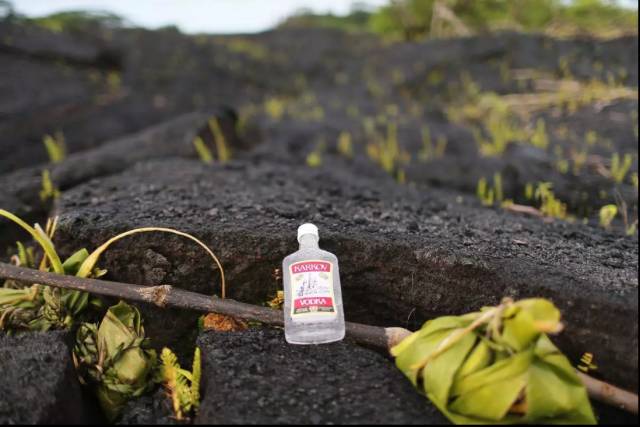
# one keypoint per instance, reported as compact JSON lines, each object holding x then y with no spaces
{"x":203,"y":151}
{"x":55,"y":146}
{"x":48,"y":189}
{"x":607,"y":214}
{"x":620,"y":168}
{"x":222,"y":148}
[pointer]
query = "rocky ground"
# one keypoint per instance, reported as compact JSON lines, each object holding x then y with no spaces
{"x":400,"y":213}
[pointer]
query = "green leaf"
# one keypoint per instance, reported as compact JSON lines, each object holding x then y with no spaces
{"x":14,"y":297}
{"x":546,"y":316}
{"x":479,"y":358}
{"x":25,"y":256}
{"x":520,"y":331}
{"x":40,"y":237}
{"x":72,"y":264}
{"x":436,"y":325}
{"x":547,"y":394}
{"x":505,"y":369}
{"x":492,"y":401}
{"x":420,"y":348}
{"x":439,"y":373}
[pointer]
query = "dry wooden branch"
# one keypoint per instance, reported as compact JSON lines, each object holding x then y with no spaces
{"x":168,"y":296}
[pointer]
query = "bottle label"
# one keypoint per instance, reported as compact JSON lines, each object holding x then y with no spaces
{"x":312,"y":289}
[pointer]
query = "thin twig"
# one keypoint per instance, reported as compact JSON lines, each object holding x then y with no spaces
{"x":170,"y":297}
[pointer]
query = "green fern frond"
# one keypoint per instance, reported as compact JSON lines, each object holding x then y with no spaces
{"x":196,"y":371}
{"x":183,"y":386}
{"x":169,"y":372}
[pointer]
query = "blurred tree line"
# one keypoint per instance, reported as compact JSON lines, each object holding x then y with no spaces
{"x":72,"y":21}
{"x":415,"y":19}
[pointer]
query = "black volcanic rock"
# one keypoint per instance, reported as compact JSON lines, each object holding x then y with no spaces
{"x":419,"y":254}
{"x":39,"y":384}
{"x":255,"y":377}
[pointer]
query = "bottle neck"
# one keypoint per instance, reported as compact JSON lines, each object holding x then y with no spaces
{"x":308,"y":241}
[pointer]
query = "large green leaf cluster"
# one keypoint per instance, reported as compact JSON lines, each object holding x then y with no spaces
{"x":496,"y":366}
{"x":114,"y":357}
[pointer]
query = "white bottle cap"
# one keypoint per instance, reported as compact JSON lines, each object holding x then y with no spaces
{"x":307,"y":228}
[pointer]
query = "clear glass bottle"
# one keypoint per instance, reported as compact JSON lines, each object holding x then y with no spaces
{"x":312,"y":297}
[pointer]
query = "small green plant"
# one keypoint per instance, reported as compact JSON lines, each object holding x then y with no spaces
{"x":182,"y":386}
{"x":529,"y":191}
{"x":203,"y":151}
{"x":278,"y":301}
{"x":114,"y":81}
{"x":484,"y":193}
{"x":490,"y":195}
{"x":564,"y":68}
{"x":607,"y":214}
{"x":539,"y":138}
{"x":222,"y":148}
{"x":345,"y":146}
{"x":579,"y":159}
{"x":495,"y":125}
{"x":314,"y":158}
{"x":591,"y":138}
{"x":435,"y":77}
{"x":550,"y":206}
{"x":55,"y":146}
{"x":386,"y":151}
{"x":48,"y":189}
{"x":469,"y":87}
{"x":114,"y":357}
{"x":36,"y":307}
{"x":562,"y":166}
{"x":275,"y":107}
{"x":630,"y":226}
{"x":33,"y":307}
{"x":429,"y":150}
{"x":619,"y":169}
{"x":353,"y":111}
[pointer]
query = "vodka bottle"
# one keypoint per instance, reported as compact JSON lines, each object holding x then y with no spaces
{"x":313,"y":300}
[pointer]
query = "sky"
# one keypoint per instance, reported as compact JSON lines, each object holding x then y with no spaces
{"x":193,"y":16}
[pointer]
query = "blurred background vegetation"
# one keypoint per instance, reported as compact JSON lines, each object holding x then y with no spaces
{"x":415,"y":19}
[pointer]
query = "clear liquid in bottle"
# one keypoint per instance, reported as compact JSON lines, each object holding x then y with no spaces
{"x":313,"y":311}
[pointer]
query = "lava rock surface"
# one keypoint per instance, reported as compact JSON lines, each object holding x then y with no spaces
{"x":39,"y":384}
{"x":255,"y":377}
{"x":150,"y":409}
{"x":406,"y":254}
{"x":130,"y":102}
